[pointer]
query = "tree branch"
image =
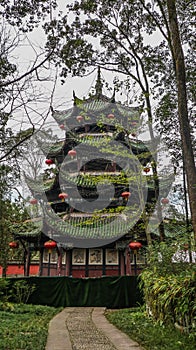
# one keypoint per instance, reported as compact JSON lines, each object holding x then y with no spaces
{"x":16,"y":145}
{"x":7,"y":83}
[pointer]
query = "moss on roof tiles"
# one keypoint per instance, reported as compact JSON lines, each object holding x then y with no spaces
{"x":98,"y":108}
{"x":101,"y":230}
{"x":28,"y":228}
{"x":91,"y":180}
{"x":39,"y":185}
{"x":32,"y":233}
{"x":94,"y":105}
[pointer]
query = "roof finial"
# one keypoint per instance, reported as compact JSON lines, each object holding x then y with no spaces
{"x":74,"y":97}
{"x":113,"y":96}
{"x":98,"y":85}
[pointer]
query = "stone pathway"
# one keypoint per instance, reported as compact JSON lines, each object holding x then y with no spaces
{"x":86,"y":328}
{"x":83,"y":332}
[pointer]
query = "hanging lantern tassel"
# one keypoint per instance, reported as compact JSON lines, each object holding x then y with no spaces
{"x":126,"y":195}
{"x":72,"y":153}
{"x":50,"y":245}
{"x":135,"y":246}
{"x":63,"y":196}
{"x":79,"y":118}
{"x":49,"y":161}
{"x":110,"y":116}
{"x":13,"y":245}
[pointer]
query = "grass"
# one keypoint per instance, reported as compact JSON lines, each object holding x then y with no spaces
{"x":25,"y":326}
{"x":150,"y":335}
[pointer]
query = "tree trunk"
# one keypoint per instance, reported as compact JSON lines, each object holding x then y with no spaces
{"x":161,"y":227}
{"x":183,"y":110}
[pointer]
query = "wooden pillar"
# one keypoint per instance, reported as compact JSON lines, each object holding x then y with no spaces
{"x":127,"y":261}
{"x":87,"y":263}
{"x":59,"y":263}
{"x":41,"y":262}
{"x":24,"y":260}
{"x":68,"y":263}
{"x":104,"y":263}
{"x":122,"y":262}
{"x":28,"y":262}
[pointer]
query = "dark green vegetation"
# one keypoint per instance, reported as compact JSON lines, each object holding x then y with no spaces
{"x":22,"y":326}
{"x":25,"y":326}
{"x":168,"y":318}
{"x":169,"y":287}
{"x":150,"y":335}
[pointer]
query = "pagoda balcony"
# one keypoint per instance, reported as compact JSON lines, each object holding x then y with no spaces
{"x":96,"y":173}
{"x":96,"y":135}
{"x":93,"y":215}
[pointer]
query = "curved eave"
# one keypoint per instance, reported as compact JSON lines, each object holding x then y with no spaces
{"x":138,"y":147}
{"x":172,"y":230}
{"x":164,"y":182}
{"x":61,"y":116}
{"x":38,"y":187}
{"x":78,"y":235}
{"x":94,"y":109}
{"x":90,"y":180}
{"x":51,"y":150}
{"x":28,"y":234}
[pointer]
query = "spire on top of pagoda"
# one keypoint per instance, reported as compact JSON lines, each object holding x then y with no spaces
{"x":99,"y":84}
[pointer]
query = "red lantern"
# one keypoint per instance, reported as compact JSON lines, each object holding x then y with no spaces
{"x":79,"y":118}
{"x":33,"y":201}
{"x":62,"y":126}
{"x":13,"y":245}
{"x":164,"y":201}
{"x":63,"y":196}
{"x":50,"y":245}
{"x":146,"y":170}
{"x":135,"y":246}
{"x":72,"y":153}
{"x":49,"y":161}
{"x":126,"y":195}
{"x":111,"y":116}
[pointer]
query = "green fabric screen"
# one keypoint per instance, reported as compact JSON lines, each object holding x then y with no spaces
{"x":110,"y":292}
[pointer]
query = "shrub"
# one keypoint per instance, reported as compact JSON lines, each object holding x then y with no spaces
{"x":169,"y":288}
{"x":21,"y":291}
{"x":4,"y":289}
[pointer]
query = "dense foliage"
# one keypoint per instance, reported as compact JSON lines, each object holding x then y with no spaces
{"x":22,"y":326}
{"x":168,"y":284}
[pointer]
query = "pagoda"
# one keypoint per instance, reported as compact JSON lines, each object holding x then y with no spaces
{"x":100,"y":186}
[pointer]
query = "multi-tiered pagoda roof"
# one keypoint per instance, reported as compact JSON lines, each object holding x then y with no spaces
{"x":108,"y":160}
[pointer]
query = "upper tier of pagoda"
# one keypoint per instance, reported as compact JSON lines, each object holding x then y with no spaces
{"x":95,"y":110}
{"x":98,"y":108}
